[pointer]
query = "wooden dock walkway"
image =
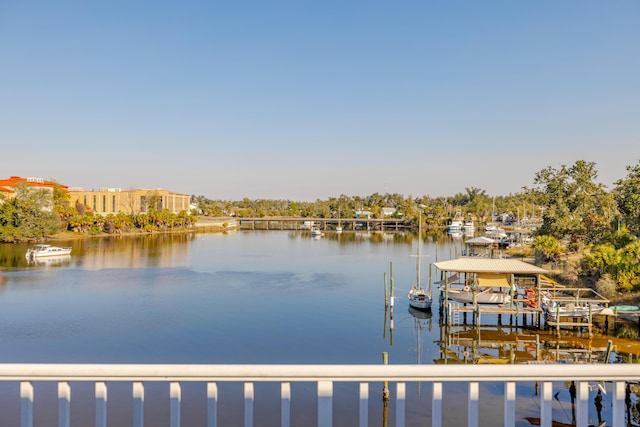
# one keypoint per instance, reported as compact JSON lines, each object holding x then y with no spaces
{"x":287,"y":223}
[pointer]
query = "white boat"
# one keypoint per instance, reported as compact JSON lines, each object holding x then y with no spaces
{"x":315,"y":232}
{"x":468,"y":227}
{"x":482,"y":296}
{"x":484,"y":288}
{"x":454,"y":227}
{"x":456,"y":224}
{"x":494,"y":232}
{"x":419,"y":298}
{"x":554,"y":310}
{"x":41,"y":250}
{"x":498,"y":235}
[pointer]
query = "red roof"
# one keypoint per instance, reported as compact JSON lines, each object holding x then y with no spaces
{"x":32,"y":182}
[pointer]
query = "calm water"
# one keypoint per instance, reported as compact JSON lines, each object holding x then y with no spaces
{"x":246,"y":297}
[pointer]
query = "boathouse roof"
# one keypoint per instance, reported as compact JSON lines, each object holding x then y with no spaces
{"x":481,"y":240}
{"x":489,"y":265}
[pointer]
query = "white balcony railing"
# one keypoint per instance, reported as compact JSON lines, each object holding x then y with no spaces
{"x":324,"y":376}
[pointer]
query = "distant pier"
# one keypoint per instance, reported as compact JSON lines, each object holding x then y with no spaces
{"x":325,"y":224}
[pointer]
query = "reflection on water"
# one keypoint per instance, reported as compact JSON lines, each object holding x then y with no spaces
{"x":139,"y":251}
{"x":264,"y":297}
{"x":50,"y":261}
{"x":517,"y":344}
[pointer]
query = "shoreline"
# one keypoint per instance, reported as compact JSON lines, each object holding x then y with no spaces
{"x":201,"y":226}
{"x":227,"y":224}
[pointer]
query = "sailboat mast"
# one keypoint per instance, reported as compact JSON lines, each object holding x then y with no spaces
{"x":419,"y":244}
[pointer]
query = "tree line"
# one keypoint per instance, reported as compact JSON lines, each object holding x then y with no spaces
{"x":572,"y":212}
{"x":567,"y":202}
{"x":36,"y":214}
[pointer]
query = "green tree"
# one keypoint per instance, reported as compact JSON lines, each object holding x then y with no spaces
{"x":627,"y":196}
{"x":620,"y":265}
{"x":571,"y":198}
{"x":81,"y":223}
{"x":28,"y":215}
{"x":547,"y":248}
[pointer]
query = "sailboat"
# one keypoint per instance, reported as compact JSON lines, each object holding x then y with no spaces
{"x":418,"y":297}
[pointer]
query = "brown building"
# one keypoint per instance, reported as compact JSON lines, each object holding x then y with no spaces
{"x":113,"y":200}
{"x":106,"y":200}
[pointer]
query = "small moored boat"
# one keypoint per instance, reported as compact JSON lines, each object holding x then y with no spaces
{"x":468,"y":227}
{"x":419,"y":298}
{"x":456,"y":224}
{"x":42,"y":250}
{"x":553,"y":310}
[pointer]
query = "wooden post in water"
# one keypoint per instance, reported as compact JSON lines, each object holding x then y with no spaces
{"x":384,"y":330}
{"x":386,"y":306}
{"x":385,"y":384}
{"x":386,"y":296}
{"x":385,"y":392}
{"x":608,"y":352}
{"x":430,"y":282}
{"x":391,"y":276}
{"x":391,"y":305}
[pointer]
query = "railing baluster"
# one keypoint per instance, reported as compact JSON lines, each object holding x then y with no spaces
{"x":174,"y":406}
{"x":325,"y":403}
{"x":401,"y":397}
{"x":138,"y":404}
{"x":64,"y":404}
{"x":101,"y":404}
{"x":285,"y":406}
{"x":212,"y":404}
{"x":248,"y":404}
{"x":473,"y":404}
{"x":545,"y":404}
{"x":582,"y":403}
{"x":436,"y":404}
{"x":619,"y":393}
{"x":509,"y":404}
{"x":26,"y":404}
{"x":364,"y":404}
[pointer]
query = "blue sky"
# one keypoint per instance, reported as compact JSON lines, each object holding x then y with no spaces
{"x":307,"y":100}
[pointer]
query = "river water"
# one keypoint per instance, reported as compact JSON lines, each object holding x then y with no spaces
{"x":244,"y":297}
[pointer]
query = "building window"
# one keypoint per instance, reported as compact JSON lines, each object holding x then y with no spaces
{"x":85,"y":200}
{"x":113,"y":203}
{"x":104,"y":203}
{"x":143,"y":203}
{"x":95,"y":202}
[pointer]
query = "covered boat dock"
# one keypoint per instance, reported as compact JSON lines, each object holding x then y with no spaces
{"x":518,"y":282}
